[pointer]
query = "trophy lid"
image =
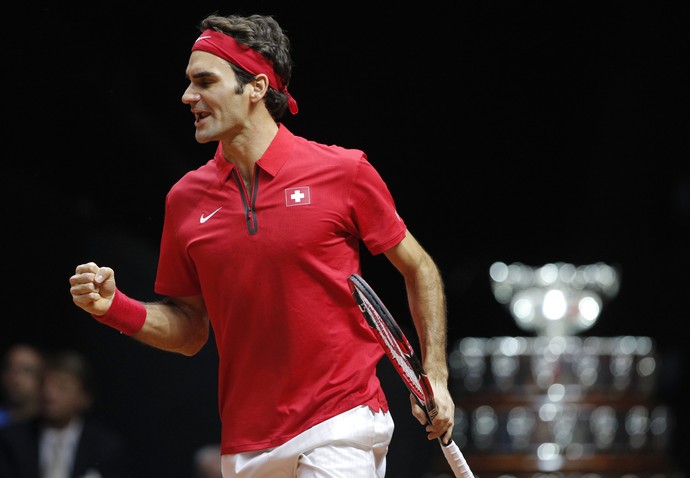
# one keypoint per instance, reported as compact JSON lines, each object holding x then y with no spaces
{"x":556,"y":298}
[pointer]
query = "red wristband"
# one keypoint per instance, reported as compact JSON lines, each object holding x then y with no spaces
{"x":125,"y":314}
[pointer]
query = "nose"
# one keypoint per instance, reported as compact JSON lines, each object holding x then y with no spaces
{"x":189,"y":97}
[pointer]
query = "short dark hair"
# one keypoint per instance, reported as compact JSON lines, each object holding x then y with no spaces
{"x":75,"y":364}
{"x":263,"y":34}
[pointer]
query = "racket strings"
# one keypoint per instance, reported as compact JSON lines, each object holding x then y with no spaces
{"x":391,"y":338}
{"x":392,"y":346}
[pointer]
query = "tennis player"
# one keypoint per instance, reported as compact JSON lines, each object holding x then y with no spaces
{"x":259,"y":243}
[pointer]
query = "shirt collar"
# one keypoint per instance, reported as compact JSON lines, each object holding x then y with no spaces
{"x":69,"y":434}
{"x":271,"y":161}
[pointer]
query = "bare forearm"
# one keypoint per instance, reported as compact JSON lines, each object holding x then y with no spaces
{"x":173,"y":328}
{"x":428,"y":307}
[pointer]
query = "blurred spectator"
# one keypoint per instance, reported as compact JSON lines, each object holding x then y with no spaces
{"x":207,"y":462}
{"x":20,"y":383}
{"x":65,"y":440}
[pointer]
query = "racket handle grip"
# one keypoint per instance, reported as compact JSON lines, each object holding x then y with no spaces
{"x":456,"y":460}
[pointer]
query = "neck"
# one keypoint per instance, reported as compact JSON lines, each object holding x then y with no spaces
{"x":246,"y":148}
{"x":60,"y":423}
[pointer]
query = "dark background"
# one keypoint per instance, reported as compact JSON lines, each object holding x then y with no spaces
{"x":528,"y":132}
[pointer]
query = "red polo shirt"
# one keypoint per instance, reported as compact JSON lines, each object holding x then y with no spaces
{"x":273,"y":266}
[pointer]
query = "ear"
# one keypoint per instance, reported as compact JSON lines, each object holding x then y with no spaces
{"x":259,"y":86}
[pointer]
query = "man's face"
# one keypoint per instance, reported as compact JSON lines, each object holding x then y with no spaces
{"x":212,"y":95}
{"x":64,"y":397}
{"x":21,"y":375}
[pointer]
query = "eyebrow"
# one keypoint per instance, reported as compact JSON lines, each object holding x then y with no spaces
{"x":201,"y":74}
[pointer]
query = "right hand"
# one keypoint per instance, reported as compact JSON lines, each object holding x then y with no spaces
{"x":93,"y":288}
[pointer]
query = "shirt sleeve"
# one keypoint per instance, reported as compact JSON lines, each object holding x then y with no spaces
{"x":176,"y":275}
{"x":380,"y":226}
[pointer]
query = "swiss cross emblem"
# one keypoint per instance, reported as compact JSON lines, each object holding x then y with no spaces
{"x":297,"y":196}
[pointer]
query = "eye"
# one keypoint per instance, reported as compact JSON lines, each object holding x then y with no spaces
{"x":203,"y":80}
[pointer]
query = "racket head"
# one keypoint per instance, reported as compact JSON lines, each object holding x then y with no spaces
{"x":394,"y":343}
{"x":399,"y":351}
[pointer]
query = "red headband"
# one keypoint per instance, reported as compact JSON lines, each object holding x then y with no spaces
{"x":227,"y":48}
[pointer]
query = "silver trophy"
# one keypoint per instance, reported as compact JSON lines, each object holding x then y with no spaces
{"x":555,"y":299}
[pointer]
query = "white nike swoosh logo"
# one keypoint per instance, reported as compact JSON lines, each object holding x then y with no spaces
{"x":202,"y":38}
{"x":203,"y":219}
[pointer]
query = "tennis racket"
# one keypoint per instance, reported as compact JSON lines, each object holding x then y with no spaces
{"x":405,"y":362}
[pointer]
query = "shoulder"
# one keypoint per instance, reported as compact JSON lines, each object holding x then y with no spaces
{"x":97,"y":430}
{"x":205,"y":172}
{"x":196,"y":181}
{"x":20,"y":433}
{"x":333,"y":151}
{"x":4,"y":417}
{"x":104,"y":448}
{"x":308,"y":148}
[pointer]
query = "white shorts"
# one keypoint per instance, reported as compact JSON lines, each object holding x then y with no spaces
{"x":352,"y":444}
